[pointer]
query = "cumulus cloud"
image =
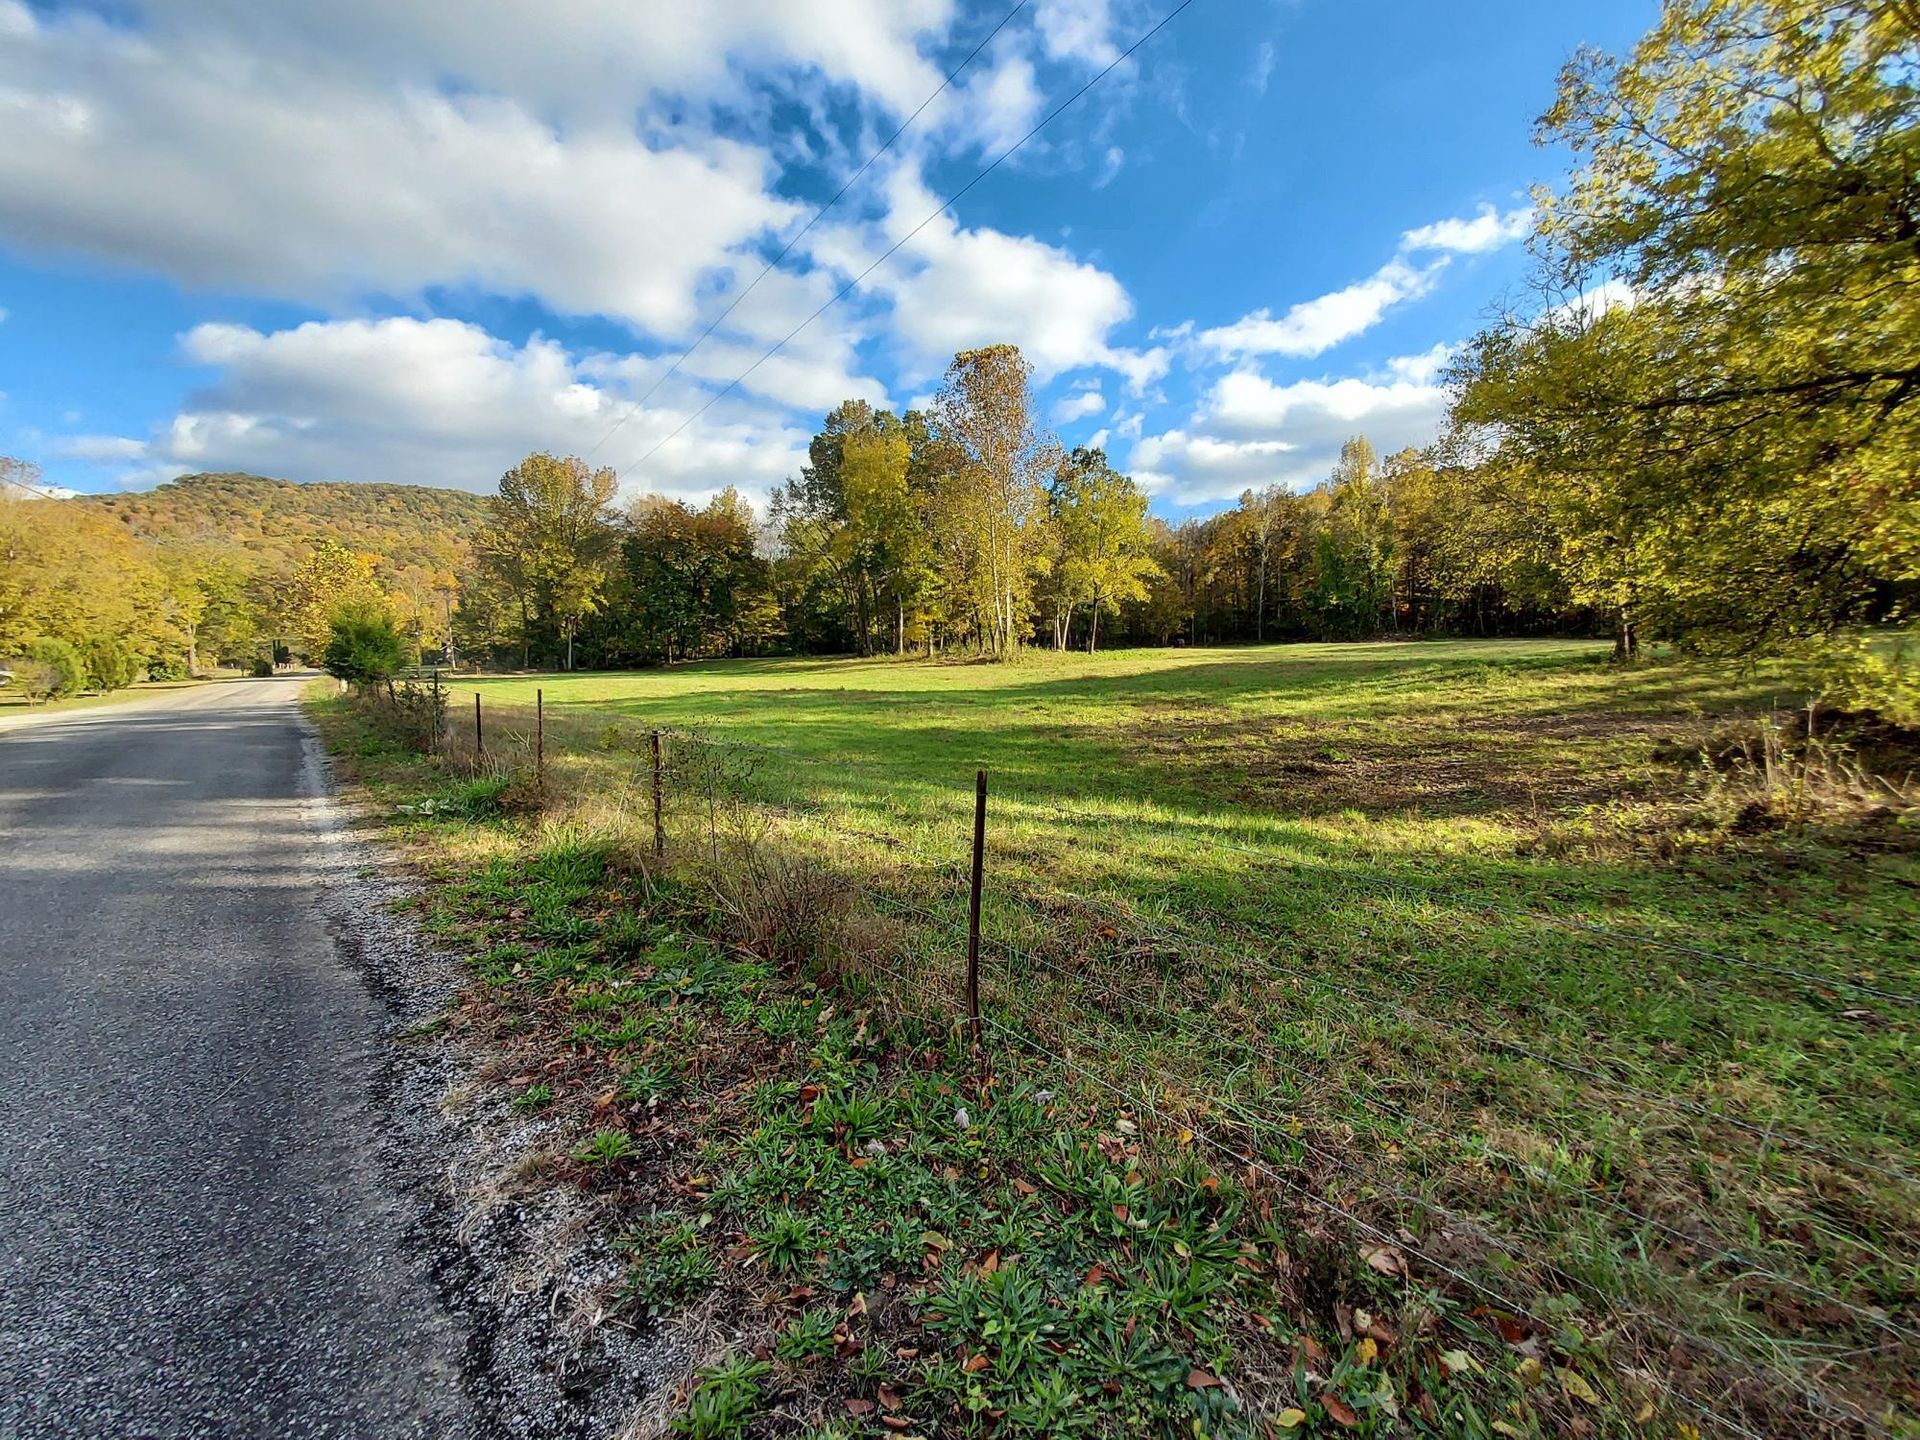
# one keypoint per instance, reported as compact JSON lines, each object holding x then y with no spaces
{"x":1488,"y":230}
{"x":1250,"y":432}
{"x":222,"y":169}
{"x":1078,"y":30}
{"x":1315,"y":326}
{"x":442,"y":402}
{"x":1079,"y":405}
{"x":1000,"y":105}
{"x":952,"y":288}
{"x":1424,"y":368}
{"x":602,"y":60}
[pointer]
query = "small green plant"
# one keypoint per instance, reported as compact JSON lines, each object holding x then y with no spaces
{"x":808,"y":1336}
{"x":671,"y":1262}
{"x":726,"y":1399}
{"x":534,"y":1097}
{"x":607,"y":1147}
{"x":786,"y":1243}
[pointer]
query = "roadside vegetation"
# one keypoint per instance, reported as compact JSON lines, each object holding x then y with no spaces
{"x":1472,"y":1034}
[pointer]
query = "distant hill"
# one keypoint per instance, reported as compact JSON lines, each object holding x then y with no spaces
{"x":410,"y":527}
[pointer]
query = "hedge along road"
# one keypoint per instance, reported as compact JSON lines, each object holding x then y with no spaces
{"x":197,"y":1236}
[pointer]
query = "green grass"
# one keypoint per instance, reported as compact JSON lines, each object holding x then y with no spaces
{"x":1375,"y":920}
{"x":12,"y":702}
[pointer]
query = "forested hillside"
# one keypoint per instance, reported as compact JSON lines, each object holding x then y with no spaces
{"x":276,"y":521}
{"x":214,"y":569}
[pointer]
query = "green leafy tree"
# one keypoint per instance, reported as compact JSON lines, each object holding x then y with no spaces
{"x":364,"y":646}
{"x":52,"y":668}
{"x":330,"y":579}
{"x":551,"y":543}
{"x":1102,"y":552}
{"x":993,"y":502}
{"x":110,"y":661}
{"x":1728,"y":459}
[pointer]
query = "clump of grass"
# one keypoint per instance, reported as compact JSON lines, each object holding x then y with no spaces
{"x":1776,"y":773}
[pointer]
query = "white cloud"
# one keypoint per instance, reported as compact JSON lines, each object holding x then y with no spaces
{"x":1263,"y":62}
{"x":1590,"y":304}
{"x":100,"y":448}
{"x":1250,"y":432}
{"x":441,"y":402}
{"x":952,"y":288}
{"x":1489,"y":230}
{"x":3,"y":314}
{"x":601,"y":59}
{"x":222,"y":169}
{"x":1000,"y":105}
{"x":1078,"y":30}
{"x":1424,"y":368}
{"x":1080,"y":405}
{"x":1317,"y":325}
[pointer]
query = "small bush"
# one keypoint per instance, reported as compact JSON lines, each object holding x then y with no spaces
{"x":110,"y":661}
{"x":366,"y":648}
{"x":261,"y":668}
{"x":50,"y":669}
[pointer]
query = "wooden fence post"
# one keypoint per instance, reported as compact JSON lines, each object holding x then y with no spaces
{"x":479,"y":740}
{"x":973,"y":908}
{"x":659,"y":826}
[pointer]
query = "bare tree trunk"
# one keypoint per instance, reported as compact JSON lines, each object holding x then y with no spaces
{"x":1093,"y":626}
{"x":1260,"y":605}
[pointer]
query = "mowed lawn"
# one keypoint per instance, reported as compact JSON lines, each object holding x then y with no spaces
{"x":1448,"y":926}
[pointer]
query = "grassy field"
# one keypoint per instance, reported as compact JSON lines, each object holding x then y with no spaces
{"x":1465,"y":945}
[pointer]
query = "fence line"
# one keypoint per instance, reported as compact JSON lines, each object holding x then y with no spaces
{"x":1361,"y":874}
{"x":1769,"y":1134}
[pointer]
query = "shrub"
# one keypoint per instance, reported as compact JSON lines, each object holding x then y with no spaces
{"x":110,"y":661}
{"x":51,"y":668}
{"x":169,"y":667}
{"x":365,"y":648}
{"x":261,"y":668}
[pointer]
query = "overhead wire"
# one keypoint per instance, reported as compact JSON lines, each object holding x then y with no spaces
{"x":897,"y":245}
{"x":801,"y":234}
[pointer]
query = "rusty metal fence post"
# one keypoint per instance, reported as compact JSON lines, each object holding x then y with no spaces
{"x":479,"y":740}
{"x":973,"y":907}
{"x":540,"y":736}
{"x":659,"y":825}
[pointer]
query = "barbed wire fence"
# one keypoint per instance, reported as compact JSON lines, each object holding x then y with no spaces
{"x":1179,"y":1026}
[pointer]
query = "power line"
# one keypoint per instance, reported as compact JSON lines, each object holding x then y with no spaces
{"x":772,"y":264}
{"x":892,"y":249}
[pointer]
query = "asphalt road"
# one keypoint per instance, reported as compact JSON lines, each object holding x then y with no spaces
{"x":197,"y":1235}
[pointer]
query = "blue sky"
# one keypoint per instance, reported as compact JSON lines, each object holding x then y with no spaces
{"x":414,"y":239}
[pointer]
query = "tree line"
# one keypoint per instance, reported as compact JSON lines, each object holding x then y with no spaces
{"x":969,"y":528}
